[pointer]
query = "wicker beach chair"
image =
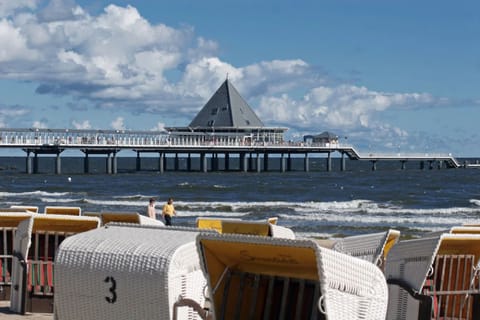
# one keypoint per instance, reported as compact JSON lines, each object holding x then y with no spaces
{"x":8,"y":226}
{"x":373,"y":247}
{"x":129,"y":272}
{"x":74,"y":211}
{"x":434,"y":278}
{"x":125,"y":217}
{"x":252,"y":277}
{"x":35,"y":245}
{"x":237,"y":226}
{"x":32,"y":209}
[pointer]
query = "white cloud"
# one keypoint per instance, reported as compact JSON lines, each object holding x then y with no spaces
{"x":39,"y":125}
{"x":82,"y":125}
{"x":8,"y":7}
{"x":344,"y":106}
{"x":159,"y":127}
{"x":118,"y":124}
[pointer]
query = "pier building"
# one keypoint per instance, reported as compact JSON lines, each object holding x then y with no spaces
{"x":226,"y":128}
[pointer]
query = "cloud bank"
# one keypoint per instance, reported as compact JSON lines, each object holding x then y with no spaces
{"x":119,"y":60}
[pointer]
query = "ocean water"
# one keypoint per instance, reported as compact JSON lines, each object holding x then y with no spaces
{"x":315,"y":203}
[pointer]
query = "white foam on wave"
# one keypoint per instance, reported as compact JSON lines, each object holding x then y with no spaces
{"x":475,"y":202}
{"x":208,"y":213}
{"x":33,"y":193}
{"x":360,"y":218}
{"x":61,"y":200}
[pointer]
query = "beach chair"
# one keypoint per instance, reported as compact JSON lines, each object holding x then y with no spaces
{"x":8,"y":226}
{"x":237,"y":226}
{"x":36,"y":242}
{"x":252,"y":277}
{"x":123,"y":217}
{"x":434,"y":278}
{"x":74,"y":211}
{"x":32,"y":209}
{"x":130,"y":271}
{"x":373,"y":247}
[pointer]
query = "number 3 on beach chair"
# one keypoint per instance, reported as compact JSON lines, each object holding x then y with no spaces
{"x":251,"y":277}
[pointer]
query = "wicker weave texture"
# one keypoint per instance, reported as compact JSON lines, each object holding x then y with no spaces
{"x":367,"y":247}
{"x":351,"y":288}
{"x":123,"y":272}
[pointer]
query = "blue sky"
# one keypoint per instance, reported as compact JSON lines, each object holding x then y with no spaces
{"x":391,"y":76}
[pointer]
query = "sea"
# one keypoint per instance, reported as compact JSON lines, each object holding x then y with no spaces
{"x":318,"y":203}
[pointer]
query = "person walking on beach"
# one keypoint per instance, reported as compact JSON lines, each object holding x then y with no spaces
{"x":168,"y":212}
{"x":151,"y":208}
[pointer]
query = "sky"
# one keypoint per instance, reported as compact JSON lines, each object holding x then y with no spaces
{"x":385,"y":76}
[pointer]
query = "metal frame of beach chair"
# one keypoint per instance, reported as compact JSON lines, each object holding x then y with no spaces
{"x":252,"y":277}
{"x":434,"y":278}
{"x":373,"y":247}
{"x":37,"y":244}
{"x":130,"y":271}
{"x":8,"y":226}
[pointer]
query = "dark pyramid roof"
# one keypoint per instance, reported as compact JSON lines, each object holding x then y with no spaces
{"x":226,"y":108}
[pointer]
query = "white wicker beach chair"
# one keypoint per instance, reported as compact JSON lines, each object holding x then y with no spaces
{"x":252,"y":277}
{"x":373,"y":247}
{"x":124,"y":217}
{"x":129,"y":272}
{"x":434,"y":278}
{"x":35,"y":245}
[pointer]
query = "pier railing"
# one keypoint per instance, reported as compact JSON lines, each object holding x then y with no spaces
{"x":177,"y":141}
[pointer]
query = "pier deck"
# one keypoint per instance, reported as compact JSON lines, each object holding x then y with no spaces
{"x":253,"y":154}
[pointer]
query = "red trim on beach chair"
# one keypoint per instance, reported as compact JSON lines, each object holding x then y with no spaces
{"x":50,"y":274}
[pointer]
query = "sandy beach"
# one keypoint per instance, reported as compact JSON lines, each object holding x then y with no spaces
{"x":5,"y":313}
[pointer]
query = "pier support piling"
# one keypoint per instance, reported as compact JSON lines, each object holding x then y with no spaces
{"x":282,"y":163}
{"x":139,"y":162}
{"x":243,"y":162}
{"x":404,"y":164}
{"x":227,"y":161}
{"x":176,"y":163}
{"x":85,"y":163}
{"x":29,"y":168}
{"x":329,"y":161}
{"x":342,"y":162}
{"x":306,"y":163}
{"x":58,"y":164}
{"x":114,"y":163}
{"x":203,"y":162}
{"x":161,"y":162}
{"x":108,"y":168}
{"x":374,"y":165}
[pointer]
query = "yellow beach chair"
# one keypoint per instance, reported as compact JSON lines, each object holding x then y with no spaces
{"x":36,"y":242}
{"x":32,"y":209}
{"x":251,"y":277}
{"x":237,"y":226}
{"x":73,"y":211}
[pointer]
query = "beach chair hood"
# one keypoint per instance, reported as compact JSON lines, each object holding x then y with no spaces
{"x":127,"y":272}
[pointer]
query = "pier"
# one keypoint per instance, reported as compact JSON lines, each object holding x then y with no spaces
{"x":213,"y":152}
